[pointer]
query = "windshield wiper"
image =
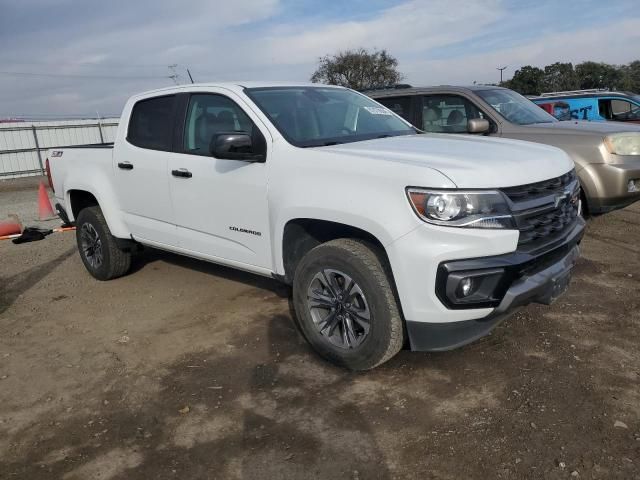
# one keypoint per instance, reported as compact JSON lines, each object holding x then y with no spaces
{"x":325,"y":144}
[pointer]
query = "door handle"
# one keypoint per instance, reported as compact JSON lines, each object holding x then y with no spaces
{"x":125,"y":166}
{"x":182,"y":173}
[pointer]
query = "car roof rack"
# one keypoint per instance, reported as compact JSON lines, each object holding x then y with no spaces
{"x":574,"y":92}
{"x":396,"y":86}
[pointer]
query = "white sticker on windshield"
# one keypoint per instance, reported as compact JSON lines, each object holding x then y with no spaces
{"x":378,"y":111}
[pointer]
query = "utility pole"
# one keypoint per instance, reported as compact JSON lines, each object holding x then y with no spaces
{"x":502,"y":69}
{"x":174,"y":74}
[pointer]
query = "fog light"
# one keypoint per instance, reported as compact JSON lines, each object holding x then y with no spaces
{"x":466,"y":286}
{"x":633,"y":186}
{"x":470,"y":288}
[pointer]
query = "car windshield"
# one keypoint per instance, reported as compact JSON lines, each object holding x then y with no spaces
{"x":514,"y":107}
{"x":321,"y":116}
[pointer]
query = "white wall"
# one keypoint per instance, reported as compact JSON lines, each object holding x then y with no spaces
{"x":18,"y":153}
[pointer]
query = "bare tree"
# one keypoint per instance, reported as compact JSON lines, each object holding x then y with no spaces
{"x":358,"y":69}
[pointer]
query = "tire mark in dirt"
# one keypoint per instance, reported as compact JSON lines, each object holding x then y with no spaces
{"x":613,"y":241}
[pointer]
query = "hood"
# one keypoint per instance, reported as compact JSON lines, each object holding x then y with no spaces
{"x":468,"y":161}
{"x":584,"y":127}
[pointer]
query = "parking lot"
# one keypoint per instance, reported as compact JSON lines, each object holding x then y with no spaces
{"x":184,"y":369}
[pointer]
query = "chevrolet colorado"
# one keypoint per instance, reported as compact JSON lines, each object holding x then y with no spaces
{"x":387,"y":236}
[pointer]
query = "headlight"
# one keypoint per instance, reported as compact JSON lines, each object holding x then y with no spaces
{"x":482,"y":209}
{"x":623,"y":143}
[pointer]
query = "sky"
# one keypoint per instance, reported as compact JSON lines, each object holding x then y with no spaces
{"x":86,"y":57}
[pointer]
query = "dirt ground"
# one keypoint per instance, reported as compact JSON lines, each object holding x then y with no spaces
{"x":185,"y":370}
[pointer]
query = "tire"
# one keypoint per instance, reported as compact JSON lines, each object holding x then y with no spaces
{"x":98,"y":249}
{"x":325,"y":313}
{"x":584,"y":213}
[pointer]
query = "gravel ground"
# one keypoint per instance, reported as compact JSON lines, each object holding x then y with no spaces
{"x":185,"y":370}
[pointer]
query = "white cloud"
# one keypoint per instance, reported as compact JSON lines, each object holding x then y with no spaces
{"x":613,"y":43}
{"x":260,"y":40}
{"x":414,"y":26}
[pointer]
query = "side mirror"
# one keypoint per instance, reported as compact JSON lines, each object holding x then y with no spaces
{"x":478,"y":125}
{"x":234,"y":146}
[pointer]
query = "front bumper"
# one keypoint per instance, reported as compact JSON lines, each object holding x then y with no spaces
{"x":611,"y":185}
{"x":539,"y":279}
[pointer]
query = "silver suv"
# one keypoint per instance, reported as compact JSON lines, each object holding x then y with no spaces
{"x":606,"y":155}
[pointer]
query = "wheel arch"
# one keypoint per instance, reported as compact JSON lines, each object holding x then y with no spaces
{"x":77,"y":199}
{"x":300,"y":235}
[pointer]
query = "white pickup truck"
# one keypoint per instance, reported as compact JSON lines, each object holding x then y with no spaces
{"x":388,"y":236}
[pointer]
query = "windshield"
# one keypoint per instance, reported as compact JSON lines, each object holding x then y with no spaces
{"x":320,"y":116}
{"x":514,"y":107}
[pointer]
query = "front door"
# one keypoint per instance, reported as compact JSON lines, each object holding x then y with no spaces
{"x":619,"y":110}
{"x":220,"y":205}
{"x":446,"y":113}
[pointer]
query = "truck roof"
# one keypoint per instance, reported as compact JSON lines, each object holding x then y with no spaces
{"x":235,"y":86}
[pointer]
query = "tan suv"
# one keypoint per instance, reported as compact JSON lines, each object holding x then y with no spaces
{"x":606,"y":154}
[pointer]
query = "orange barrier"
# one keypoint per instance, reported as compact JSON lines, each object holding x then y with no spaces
{"x":55,"y":230}
{"x":10,"y":228}
{"x":44,"y":205}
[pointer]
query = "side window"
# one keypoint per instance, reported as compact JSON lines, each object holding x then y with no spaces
{"x":624,"y":111}
{"x":620,"y":108}
{"x":209,"y":115}
{"x":398,"y":105}
{"x":447,"y":113}
{"x":151,"y":123}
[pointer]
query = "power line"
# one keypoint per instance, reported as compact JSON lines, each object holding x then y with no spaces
{"x":34,"y":74}
{"x":91,"y":64}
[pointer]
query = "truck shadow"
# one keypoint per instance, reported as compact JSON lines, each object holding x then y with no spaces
{"x":151,"y":255}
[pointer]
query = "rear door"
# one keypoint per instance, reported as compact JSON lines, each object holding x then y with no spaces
{"x":220,"y":205}
{"x":140,"y":169}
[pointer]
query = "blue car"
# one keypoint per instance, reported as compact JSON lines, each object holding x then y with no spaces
{"x":595,"y":105}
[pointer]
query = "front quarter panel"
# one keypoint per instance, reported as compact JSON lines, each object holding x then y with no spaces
{"x":362,"y":193}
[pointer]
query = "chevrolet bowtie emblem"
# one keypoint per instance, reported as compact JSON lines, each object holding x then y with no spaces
{"x":561,"y":197}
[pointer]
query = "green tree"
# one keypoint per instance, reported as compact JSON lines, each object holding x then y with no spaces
{"x":559,"y":76}
{"x":358,"y":69}
{"x":598,"y":75}
{"x":631,"y":77}
{"x":526,"y":80}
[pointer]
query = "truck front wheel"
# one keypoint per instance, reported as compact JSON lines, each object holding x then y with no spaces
{"x":98,"y":248}
{"x":345,"y":304}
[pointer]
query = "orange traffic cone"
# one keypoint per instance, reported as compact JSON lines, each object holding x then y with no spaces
{"x":10,"y":228}
{"x":44,"y":205}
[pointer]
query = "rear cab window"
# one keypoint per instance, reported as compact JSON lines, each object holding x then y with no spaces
{"x":151,"y":123}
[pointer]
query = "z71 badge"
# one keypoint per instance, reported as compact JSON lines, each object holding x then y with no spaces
{"x":56,"y":153}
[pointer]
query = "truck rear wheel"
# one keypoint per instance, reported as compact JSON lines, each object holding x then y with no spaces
{"x":98,"y":248}
{"x":345,"y":304}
